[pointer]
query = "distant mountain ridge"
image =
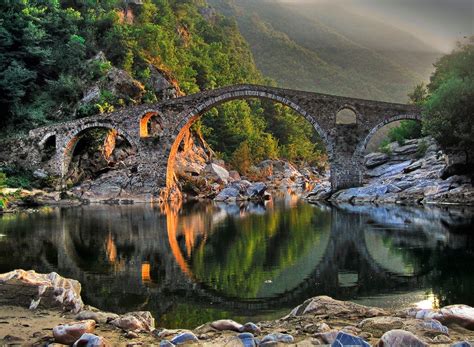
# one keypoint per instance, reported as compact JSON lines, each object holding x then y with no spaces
{"x":329,"y":49}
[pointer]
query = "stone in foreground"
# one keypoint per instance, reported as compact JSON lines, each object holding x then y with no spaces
{"x":33,"y":290}
{"x":135,"y":321}
{"x":67,"y":334}
{"x":462,"y":315}
{"x":91,"y":340}
{"x":325,"y":305}
{"x":395,"y":338}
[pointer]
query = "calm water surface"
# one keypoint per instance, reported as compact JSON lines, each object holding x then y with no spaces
{"x":193,"y":263}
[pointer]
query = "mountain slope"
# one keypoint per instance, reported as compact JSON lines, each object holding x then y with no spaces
{"x":300,"y":50}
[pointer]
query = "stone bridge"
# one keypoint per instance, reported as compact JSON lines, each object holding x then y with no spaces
{"x":344,"y":124}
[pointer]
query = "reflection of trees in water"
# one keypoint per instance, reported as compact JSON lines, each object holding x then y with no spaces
{"x":243,"y":253}
{"x":129,"y":257}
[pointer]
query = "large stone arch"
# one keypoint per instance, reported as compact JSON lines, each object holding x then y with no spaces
{"x":360,"y":149}
{"x":188,"y":117}
{"x":70,"y":141}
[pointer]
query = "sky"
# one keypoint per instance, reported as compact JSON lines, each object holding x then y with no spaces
{"x":438,"y":22}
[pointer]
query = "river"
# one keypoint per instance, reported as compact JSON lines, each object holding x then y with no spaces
{"x":196,"y":262}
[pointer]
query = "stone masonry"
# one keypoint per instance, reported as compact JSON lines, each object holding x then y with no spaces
{"x":344,"y":124}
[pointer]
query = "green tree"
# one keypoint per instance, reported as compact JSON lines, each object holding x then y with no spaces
{"x":449,"y":108}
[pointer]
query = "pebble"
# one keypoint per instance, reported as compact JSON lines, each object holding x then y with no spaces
{"x":227,"y":324}
{"x":250,"y":328}
{"x":344,"y":339}
{"x":461,"y":344}
{"x":67,"y":334}
{"x":99,"y":317}
{"x":91,"y":340}
{"x":399,"y":337}
{"x":277,"y":337}
{"x":131,"y":335}
{"x":166,"y":343}
{"x":247,"y":339}
{"x":442,"y":339}
{"x":183,"y":338}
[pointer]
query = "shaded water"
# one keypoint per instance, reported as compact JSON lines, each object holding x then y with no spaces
{"x":203,"y":261}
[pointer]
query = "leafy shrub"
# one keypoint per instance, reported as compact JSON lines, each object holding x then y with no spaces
{"x":385,"y":147}
{"x":408,"y":129}
{"x":449,"y":108}
{"x":422,"y":148}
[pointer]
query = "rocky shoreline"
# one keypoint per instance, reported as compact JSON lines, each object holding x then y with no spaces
{"x":417,"y":172}
{"x":43,"y":309}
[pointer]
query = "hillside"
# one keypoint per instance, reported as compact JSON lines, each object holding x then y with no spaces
{"x":328,"y":49}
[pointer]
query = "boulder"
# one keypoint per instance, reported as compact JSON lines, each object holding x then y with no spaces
{"x":256,"y":190}
{"x":377,"y":326}
{"x":320,"y":192}
{"x":344,"y":339}
{"x":375,"y":159}
{"x":160,"y":84}
{"x":97,"y":316}
{"x":122,"y":85}
{"x":228,"y":194}
{"x":217,"y":172}
{"x":325,"y":305}
{"x":234,"y":175}
{"x":271,"y":339}
{"x":226,"y":324}
{"x":462,"y":315}
{"x":135,"y":321}
{"x":395,"y":338}
{"x":407,"y":148}
{"x":33,"y":290}
{"x":184,"y":338}
{"x":250,"y":327}
{"x":388,"y":169}
{"x":67,"y":334}
{"x":91,"y":340}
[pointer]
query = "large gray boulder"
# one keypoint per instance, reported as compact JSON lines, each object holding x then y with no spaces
{"x":217,"y":173}
{"x":228,"y":194}
{"x":375,"y":159}
{"x":256,"y":190}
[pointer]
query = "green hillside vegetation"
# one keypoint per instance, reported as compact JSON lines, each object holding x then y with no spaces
{"x":46,"y":48}
{"x":448,"y":100}
{"x":293,"y":45}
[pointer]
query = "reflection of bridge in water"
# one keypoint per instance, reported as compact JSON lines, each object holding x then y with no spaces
{"x":142,"y":258}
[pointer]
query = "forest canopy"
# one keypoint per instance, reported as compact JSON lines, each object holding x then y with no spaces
{"x":46,"y":63}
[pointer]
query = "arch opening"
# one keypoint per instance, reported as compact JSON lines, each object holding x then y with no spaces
{"x":151,"y":125}
{"x":396,"y":138}
{"x":232,"y":141}
{"x":94,"y":151}
{"x":48,"y":148}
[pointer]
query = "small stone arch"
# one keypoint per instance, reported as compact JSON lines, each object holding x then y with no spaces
{"x":48,"y":146}
{"x":360,"y":149}
{"x":189,"y":116}
{"x":346,"y":115}
{"x":148,"y":128}
{"x":73,"y":138}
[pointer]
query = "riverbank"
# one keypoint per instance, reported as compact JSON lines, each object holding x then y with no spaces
{"x":417,"y":172}
{"x":37,"y":309}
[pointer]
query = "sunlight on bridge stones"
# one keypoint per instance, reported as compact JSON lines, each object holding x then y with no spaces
{"x":150,"y":125}
{"x":146,"y":277}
